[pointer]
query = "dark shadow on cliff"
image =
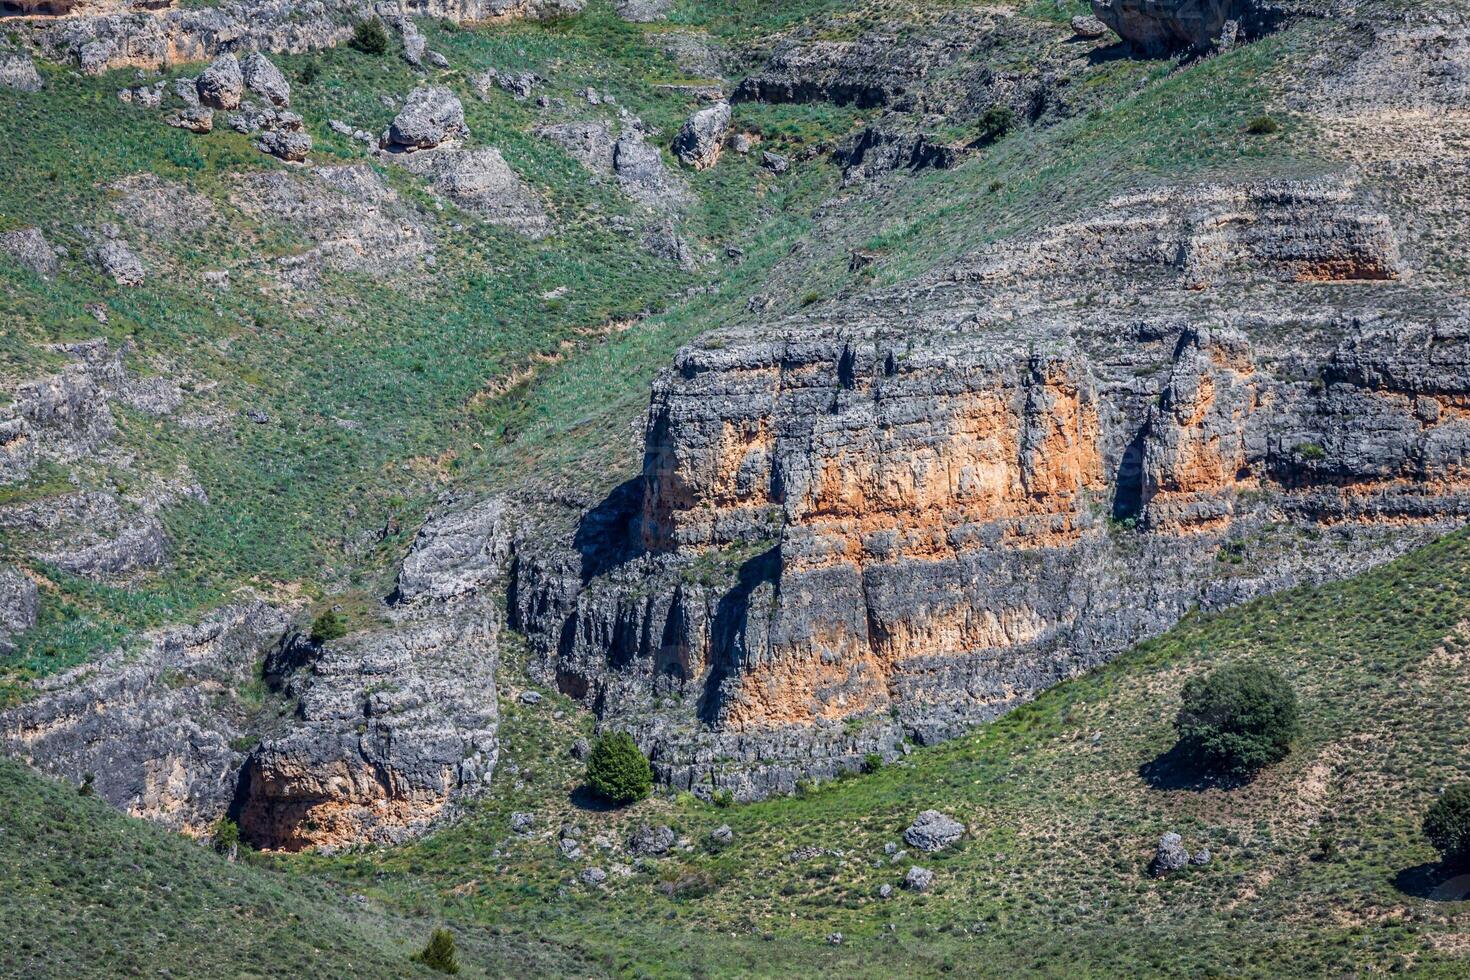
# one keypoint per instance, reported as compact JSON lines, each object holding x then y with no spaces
{"x":606,"y":536}
{"x":728,"y":630}
{"x":1434,"y":882}
{"x":1174,"y":770}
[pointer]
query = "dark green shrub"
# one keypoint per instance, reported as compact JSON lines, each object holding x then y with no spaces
{"x":1238,"y":720}
{"x":225,"y":836}
{"x":872,"y":762}
{"x":310,"y":72}
{"x":1447,"y":825}
{"x":328,"y":626}
{"x":617,"y":771}
{"x":1262,"y":126}
{"x":440,"y":954}
{"x":723,"y":798}
{"x":370,"y":37}
{"x":995,"y":122}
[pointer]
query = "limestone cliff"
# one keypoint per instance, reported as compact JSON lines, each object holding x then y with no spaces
{"x":903,"y":515}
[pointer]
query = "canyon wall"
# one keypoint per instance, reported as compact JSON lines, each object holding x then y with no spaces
{"x":897,"y":517}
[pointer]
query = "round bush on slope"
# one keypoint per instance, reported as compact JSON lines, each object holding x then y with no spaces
{"x":617,"y":771}
{"x":1238,"y":720}
{"x":1447,"y":825}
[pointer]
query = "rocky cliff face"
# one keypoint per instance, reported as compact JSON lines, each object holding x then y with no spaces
{"x":148,"y":35}
{"x":902,"y":516}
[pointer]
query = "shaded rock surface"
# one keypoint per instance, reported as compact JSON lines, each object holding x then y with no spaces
{"x":703,"y":136}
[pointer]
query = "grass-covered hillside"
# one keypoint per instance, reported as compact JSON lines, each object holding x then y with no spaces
{"x":92,"y":893}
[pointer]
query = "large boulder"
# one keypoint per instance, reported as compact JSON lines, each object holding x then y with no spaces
{"x":933,"y":831}
{"x":1169,"y":856}
{"x":1156,"y":26}
{"x":18,"y":72}
{"x":650,"y":841}
{"x":222,"y":84}
{"x":293,"y":146}
{"x":703,"y":136}
{"x":265,"y":80}
{"x":430,"y":116}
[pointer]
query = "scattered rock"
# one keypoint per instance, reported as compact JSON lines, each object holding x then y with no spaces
{"x":885,"y":891}
{"x":291,"y":146}
{"x":429,"y":116}
{"x":742,"y":143}
{"x":263,"y":78}
{"x":834,"y":939}
{"x":530,"y":697}
{"x":18,"y":72}
{"x":222,"y":84}
{"x":933,"y":831}
{"x":703,"y":136}
{"x":918,"y":879}
{"x":570,"y":849}
{"x":522,"y":823}
{"x":195,"y":119}
{"x":18,"y":606}
{"x":775,"y":162}
{"x":1088,"y":26}
{"x":592,"y":877}
{"x":1201,"y":857}
{"x":414,"y":43}
{"x":29,"y":248}
{"x":115,"y":258}
{"x":650,"y":841}
{"x":722,"y":834}
{"x":1170,"y":855}
{"x":520,"y":84}
{"x":581,"y":749}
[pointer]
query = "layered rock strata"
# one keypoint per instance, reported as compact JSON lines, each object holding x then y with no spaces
{"x":895,"y":518}
{"x":140,"y":35}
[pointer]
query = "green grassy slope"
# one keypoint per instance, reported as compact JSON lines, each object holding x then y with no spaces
{"x":88,"y":892}
{"x":1319,"y":866}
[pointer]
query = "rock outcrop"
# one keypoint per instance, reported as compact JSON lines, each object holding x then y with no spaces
{"x":135,"y":35}
{"x":221,"y":85}
{"x":703,"y":136}
{"x":480,"y":181}
{"x":900,"y":516}
{"x":159,"y":731}
{"x":263,"y":78}
{"x":430,"y":115}
{"x":1157,"y":26}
